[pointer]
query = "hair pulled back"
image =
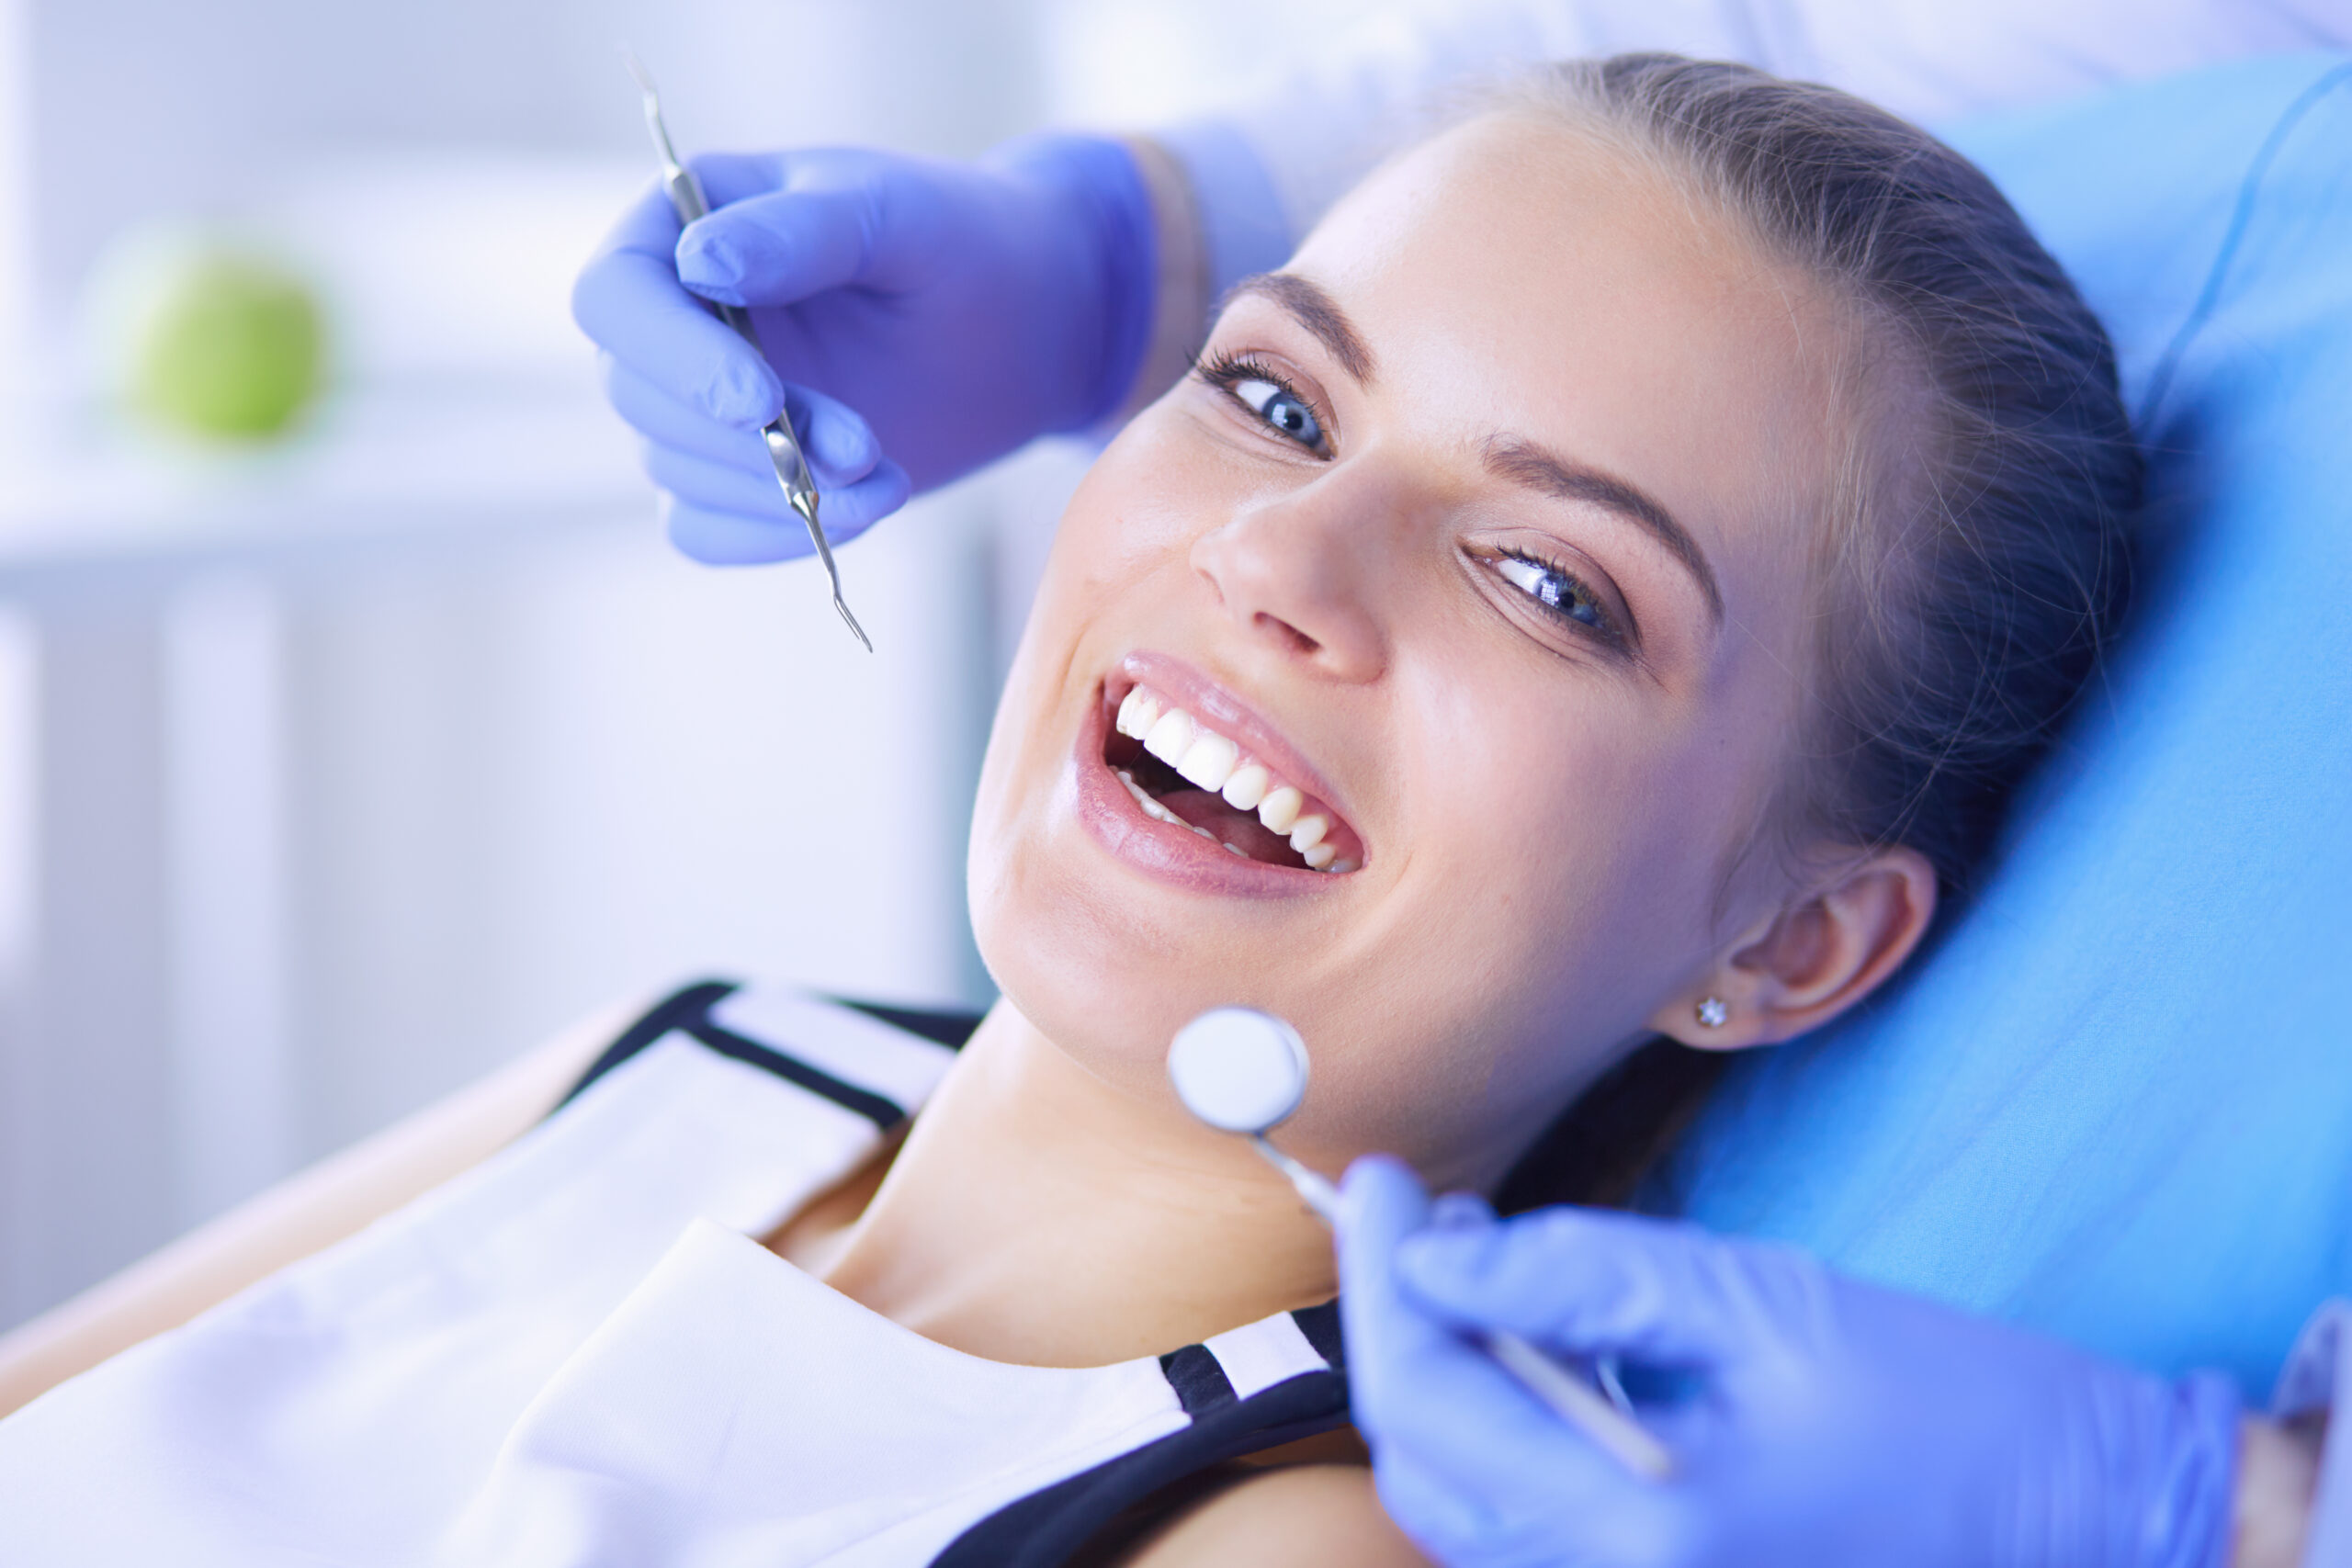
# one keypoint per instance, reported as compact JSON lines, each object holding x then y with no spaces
{"x":1975,"y":557}
{"x":1972,"y":562}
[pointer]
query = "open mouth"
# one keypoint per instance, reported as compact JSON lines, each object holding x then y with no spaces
{"x":1182,"y":772}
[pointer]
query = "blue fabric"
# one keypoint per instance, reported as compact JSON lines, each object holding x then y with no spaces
{"x":2116,"y":1102}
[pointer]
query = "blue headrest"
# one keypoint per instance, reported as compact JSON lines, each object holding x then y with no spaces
{"x":2116,"y":1102}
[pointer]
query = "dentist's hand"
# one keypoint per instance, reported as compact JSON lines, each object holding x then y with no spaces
{"x":918,"y":318}
{"x":1828,"y":1422}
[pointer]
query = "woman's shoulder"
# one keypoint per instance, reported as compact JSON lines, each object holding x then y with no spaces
{"x":1294,"y":1517}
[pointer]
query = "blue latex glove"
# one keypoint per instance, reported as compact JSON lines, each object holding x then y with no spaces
{"x":1825,"y":1422}
{"x":928,"y":316}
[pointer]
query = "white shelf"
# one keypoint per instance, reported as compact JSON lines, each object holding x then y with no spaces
{"x":79,"y":489}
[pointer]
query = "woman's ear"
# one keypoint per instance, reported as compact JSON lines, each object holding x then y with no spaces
{"x":1811,"y":959}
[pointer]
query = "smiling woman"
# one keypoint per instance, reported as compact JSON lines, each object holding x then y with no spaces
{"x":1598,"y":593}
{"x":1665,"y":513}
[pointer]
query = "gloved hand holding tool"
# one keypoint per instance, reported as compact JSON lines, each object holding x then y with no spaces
{"x":1815,"y":1421}
{"x":919,"y":316}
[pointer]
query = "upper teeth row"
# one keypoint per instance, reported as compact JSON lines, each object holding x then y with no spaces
{"x":1213,"y":761}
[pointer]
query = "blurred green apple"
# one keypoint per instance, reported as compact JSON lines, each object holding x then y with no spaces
{"x":210,"y":336}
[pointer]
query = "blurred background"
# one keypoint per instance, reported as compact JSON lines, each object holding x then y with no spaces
{"x":337,"y":768}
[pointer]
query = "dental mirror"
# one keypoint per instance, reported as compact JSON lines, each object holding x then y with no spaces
{"x":1239,"y":1069}
{"x":1244,"y":1071}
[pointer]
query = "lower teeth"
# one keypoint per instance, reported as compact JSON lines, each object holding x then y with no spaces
{"x":1159,"y":813}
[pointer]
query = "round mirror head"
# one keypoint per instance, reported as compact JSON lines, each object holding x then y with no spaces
{"x":1239,"y":1069}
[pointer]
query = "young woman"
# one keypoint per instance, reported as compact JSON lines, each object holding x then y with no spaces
{"x":1601,"y":589}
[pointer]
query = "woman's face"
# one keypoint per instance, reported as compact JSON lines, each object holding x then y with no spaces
{"x":1486,"y":530}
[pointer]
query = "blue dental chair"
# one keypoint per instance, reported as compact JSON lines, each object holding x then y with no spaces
{"x":2116,"y":1102}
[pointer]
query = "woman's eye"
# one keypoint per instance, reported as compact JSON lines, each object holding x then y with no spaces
{"x":1558,"y":592}
{"x":1282,"y":408}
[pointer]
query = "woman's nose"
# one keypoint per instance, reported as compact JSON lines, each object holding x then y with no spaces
{"x":1302,"y":575}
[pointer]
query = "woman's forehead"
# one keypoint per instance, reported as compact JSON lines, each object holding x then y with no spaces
{"x":1518,"y":207}
{"x":1519,"y":275}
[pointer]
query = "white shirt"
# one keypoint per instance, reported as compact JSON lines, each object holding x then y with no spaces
{"x":578,"y":1354}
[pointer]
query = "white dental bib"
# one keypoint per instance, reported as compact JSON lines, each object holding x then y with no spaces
{"x":576,"y":1354}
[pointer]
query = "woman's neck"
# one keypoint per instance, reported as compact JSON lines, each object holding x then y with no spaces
{"x":1038,"y":1214}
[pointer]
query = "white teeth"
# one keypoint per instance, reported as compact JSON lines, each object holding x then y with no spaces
{"x":1208,"y":762}
{"x":1280,"y":808}
{"x":1246,"y":786}
{"x":1137,"y":713}
{"x":1212,"y":762}
{"x":1338,"y":866}
{"x":1152,"y":808}
{"x":1171,"y":736}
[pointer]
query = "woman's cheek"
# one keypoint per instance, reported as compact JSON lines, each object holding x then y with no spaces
{"x":1547,"y":810}
{"x":1173,"y":475}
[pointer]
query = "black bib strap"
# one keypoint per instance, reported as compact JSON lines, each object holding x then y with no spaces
{"x":938,"y":1026}
{"x":688,"y":1009}
{"x":1198,"y":1378}
{"x":1047,"y":1529}
{"x":884,"y":1113}
{"x":683,"y":1008}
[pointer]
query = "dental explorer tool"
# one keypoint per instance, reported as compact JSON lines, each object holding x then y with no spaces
{"x":1244,"y":1071}
{"x":686,"y":199}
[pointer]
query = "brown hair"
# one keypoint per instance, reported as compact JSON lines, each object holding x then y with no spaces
{"x":1975,"y":557}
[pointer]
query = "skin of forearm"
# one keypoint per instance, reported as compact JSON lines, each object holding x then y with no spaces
{"x":2278,"y":1477}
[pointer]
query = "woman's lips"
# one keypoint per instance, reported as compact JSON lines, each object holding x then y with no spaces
{"x":1211,"y":704}
{"x":1183,"y":768}
{"x":1159,"y":836}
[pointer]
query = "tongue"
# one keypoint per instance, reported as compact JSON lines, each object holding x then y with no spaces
{"x":1206,"y":808}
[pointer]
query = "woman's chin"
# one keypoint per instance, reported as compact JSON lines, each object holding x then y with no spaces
{"x":1090,"y":965}
{"x":1106,"y":961}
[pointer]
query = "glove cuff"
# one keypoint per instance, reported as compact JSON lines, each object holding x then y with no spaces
{"x":2192,"y":1496}
{"x":1096,"y":181}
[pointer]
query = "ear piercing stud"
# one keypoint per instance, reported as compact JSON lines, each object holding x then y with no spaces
{"x":1712,"y":1013}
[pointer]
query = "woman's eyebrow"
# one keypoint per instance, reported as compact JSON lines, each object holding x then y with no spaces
{"x":1317,"y":312}
{"x":1523,"y":462}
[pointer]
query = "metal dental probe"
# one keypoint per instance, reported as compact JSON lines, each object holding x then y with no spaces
{"x":1240,"y":1070}
{"x":1607,"y":1421}
{"x":686,"y":198}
